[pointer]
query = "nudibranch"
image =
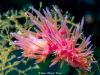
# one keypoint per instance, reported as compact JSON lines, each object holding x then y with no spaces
{"x":56,"y":38}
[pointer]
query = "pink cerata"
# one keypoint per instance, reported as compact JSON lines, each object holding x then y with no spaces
{"x":57,"y":39}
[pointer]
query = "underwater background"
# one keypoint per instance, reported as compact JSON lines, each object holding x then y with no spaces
{"x":12,"y":13}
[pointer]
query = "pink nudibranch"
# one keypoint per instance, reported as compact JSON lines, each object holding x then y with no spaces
{"x":62,"y":41}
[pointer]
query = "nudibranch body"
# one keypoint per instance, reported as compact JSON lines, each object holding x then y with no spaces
{"x":60,"y":40}
{"x":32,"y":45}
